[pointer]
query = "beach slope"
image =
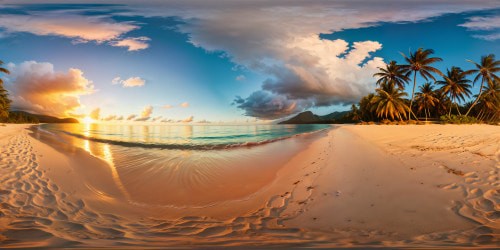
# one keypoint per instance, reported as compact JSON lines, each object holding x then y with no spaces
{"x":402,"y":186}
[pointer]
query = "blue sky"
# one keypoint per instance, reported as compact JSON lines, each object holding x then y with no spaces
{"x":224,"y":61}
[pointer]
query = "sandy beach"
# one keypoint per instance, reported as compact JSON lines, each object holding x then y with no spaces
{"x":373,"y":185}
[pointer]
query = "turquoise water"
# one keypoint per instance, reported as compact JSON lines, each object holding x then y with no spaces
{"x":203,"y":137}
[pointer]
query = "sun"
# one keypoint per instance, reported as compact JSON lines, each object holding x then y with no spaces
{"x":87,"y":120}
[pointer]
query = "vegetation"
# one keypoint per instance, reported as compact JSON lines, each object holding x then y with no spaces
{"x":420,"y":62}
{"x":442,"y":100}
{"x":456,"y":86}
{"x":426,"y":99}
{"x":20,"y":117}
{"x":4,"y":97}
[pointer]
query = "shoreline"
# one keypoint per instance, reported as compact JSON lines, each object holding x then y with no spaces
{"x":309,"y":203}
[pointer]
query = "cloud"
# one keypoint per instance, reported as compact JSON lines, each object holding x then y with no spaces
{"x":158,"y":118}
{"x":189,"y":119}
{"x":168,"y":106}
{"x":95,"y":114}
{"x":130,"y":82}
{"x":265,"y":105}
{"x":482,"y":23}
{"x":322,"y":73}
{"x":133,"y":43}
{"x":240,"y":78}
{"x":167,"y":120}
{"x":490,"y":24}
{"x":76,"y":25}
{"x":281,"y":40}
{"x":489,"y":37}
{"x":184,"y":104}
{"x":81,"y":28}
{"x":110,"y":118}
{"x":145,"y":114}
{"x":119,"y":118}
{"x":37,"y":87}
{"x":131,"y":117}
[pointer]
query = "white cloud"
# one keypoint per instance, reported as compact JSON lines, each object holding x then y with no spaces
{"x":281,"y":39}
{"x":489,"y":37}
{"x":489,"y":24}
{"x":36,"y":87}
{"x":482,"y":23}
{"x":130,"y":82}
{"x":240,"y":78}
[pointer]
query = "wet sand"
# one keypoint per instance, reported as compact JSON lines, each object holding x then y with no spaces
{"x":404,"y":186}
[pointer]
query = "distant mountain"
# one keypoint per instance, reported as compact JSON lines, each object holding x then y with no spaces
{"x":309,"y":117}
{"x":46,"y":118}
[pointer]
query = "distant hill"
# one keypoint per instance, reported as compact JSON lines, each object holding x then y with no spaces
{"x":309,"y":117}
{"x":46,"y":118}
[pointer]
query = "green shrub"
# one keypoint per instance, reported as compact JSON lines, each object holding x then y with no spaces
{"x":458,"y":119}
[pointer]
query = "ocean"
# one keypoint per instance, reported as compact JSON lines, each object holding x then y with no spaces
{"x":195,"y":137}
{"x":180,"y":166}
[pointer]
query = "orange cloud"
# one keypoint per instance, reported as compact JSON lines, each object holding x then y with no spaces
{"x":185,"y":104}
{"x":146,"y":113}
{"x":133,"y":43}
{"x":189,"y":119}
{"x":95,"y":114}
{"x":129,"y":83}
{"x":37,"y":88}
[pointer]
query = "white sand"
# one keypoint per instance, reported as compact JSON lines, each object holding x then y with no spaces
{"x":414,"y":186}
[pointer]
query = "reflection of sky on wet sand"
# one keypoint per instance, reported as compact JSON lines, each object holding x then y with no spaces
{"x":187,"y":177}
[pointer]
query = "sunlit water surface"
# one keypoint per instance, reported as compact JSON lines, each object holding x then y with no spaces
{"x":182,"y":165}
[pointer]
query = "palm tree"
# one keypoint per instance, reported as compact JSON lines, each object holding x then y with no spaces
{"x":456,"y":86}
{"x":443,"y":102}
{"x":490,"y":102}
{"x":393,"y":74}
{"x":4,"y":98}
{"x":389,"y":102}
{"x":486,"y":70}
{"x":426,"y":99}
{"x":420,"y":62}
{"x":365,"y":107}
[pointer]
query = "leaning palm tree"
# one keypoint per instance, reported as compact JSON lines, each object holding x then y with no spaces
{"x":490,"y":102}
{"x":486,"y":71}
{"x":420,"y":62}
{"x":389,"y":102}
{"x":456,"y":86}
{"x":393,"y":74}
{"x":426,"y":99}
{"x":4,"y":98}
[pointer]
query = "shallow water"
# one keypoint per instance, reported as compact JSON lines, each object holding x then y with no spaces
{"x":196,"y":137}
{"x":181,"y":166}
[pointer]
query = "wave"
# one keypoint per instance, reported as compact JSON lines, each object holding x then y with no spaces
{"x":220,"y":146}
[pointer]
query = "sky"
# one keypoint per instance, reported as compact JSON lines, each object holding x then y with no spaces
{"x":221,"y":60}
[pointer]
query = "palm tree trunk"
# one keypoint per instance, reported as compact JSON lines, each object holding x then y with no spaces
{"x":451,"y":106}
{"x":458,"y":109}
{"x":425,"y":110}
{"x":412,"y":94}
{"x":480,"y":115}
{"x":477,"y":98}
